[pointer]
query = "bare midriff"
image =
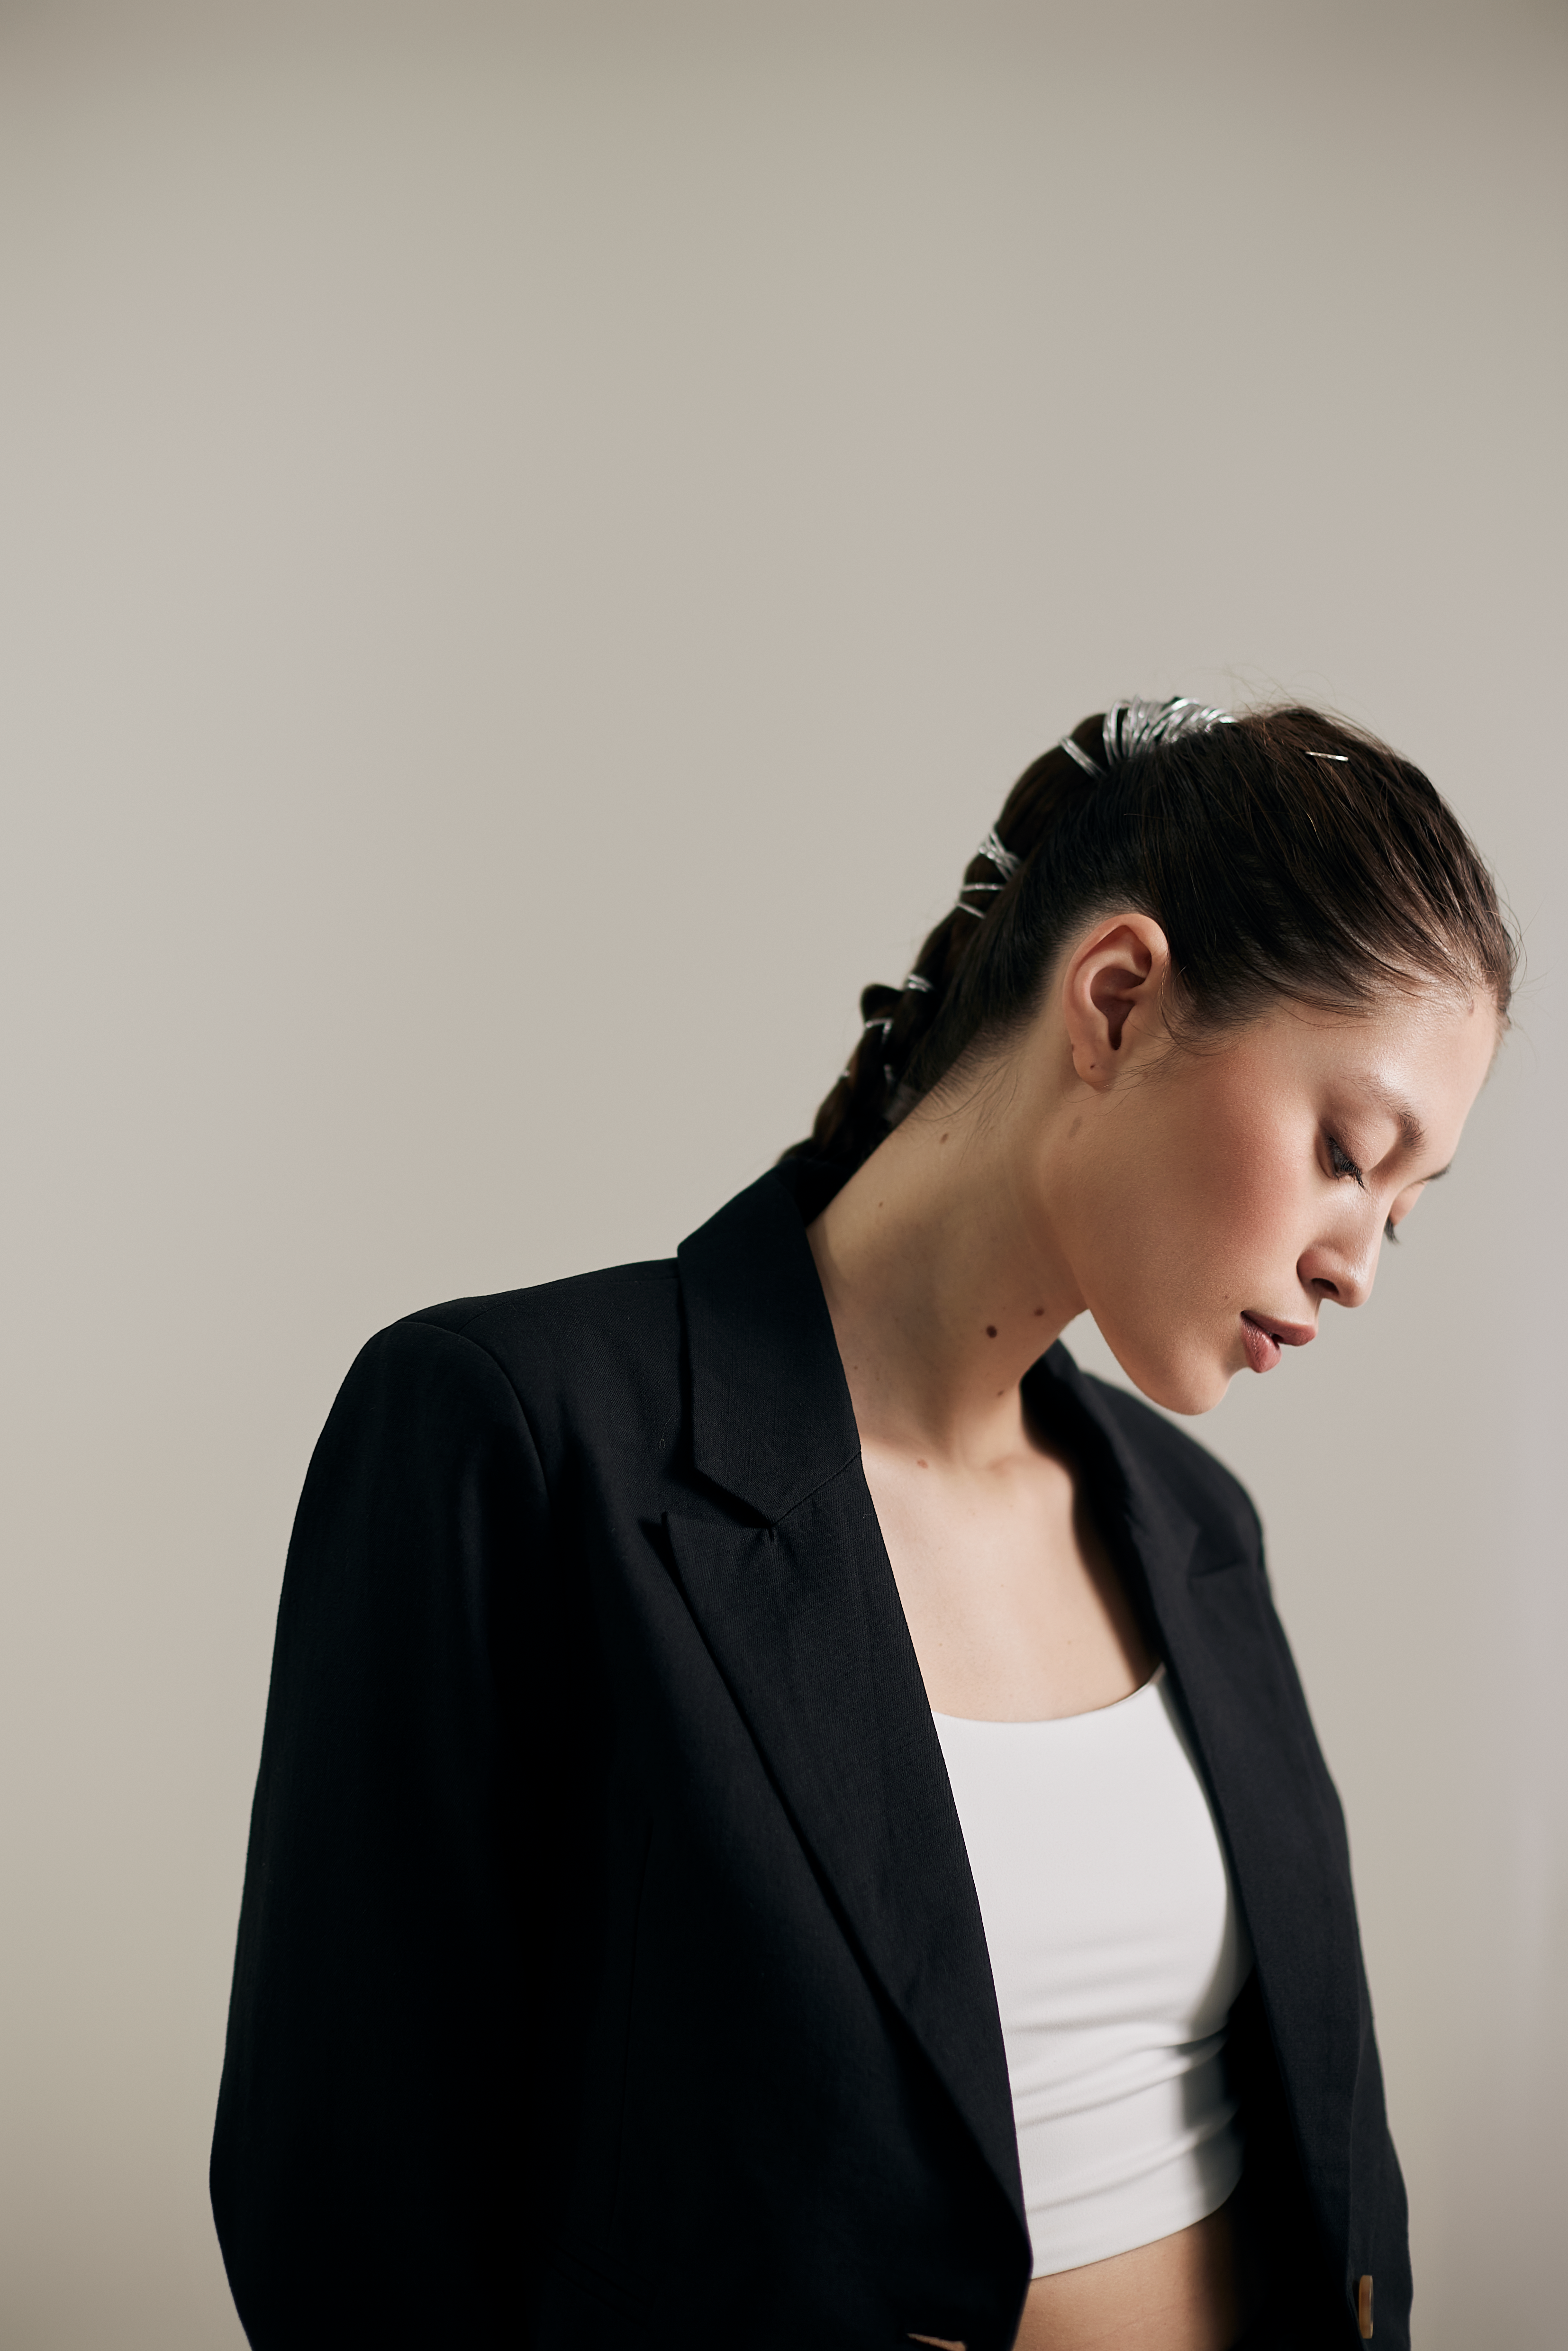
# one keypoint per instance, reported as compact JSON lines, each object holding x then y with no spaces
{"x":1185,"y":2292}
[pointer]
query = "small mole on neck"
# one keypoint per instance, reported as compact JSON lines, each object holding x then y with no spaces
{"x":943,"y":1138}
{"x":990,"y":1330}
{"x":923,"y":1465}
{"x":1074,"y":1128}
{"x":1040,"y":1309}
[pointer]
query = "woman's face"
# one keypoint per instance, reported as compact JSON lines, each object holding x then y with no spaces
{"x":1214,"y":1201}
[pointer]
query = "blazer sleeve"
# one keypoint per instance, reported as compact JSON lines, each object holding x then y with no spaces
{"x":369,"y":2166}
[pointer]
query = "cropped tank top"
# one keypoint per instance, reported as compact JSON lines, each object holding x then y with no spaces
{"x":1117,"y":1949}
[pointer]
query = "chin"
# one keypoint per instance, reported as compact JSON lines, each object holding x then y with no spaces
{"x":1189,"y":1384}
{"x":1189,"y":1398}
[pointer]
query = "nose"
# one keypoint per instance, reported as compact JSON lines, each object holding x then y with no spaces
{"x":1340,"y":1271}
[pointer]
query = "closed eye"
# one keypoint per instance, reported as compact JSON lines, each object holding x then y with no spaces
{"x":1342,"y":1164}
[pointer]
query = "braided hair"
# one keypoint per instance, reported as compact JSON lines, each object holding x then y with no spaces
{"x":1287,"y":857}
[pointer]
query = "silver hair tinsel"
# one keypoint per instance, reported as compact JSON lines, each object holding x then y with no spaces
{"x":1133,"y":727}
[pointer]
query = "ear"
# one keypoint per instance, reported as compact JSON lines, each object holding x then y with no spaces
{"x":1111,"y":992}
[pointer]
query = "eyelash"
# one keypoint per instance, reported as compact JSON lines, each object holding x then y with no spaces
{"x":1342,"y":1164}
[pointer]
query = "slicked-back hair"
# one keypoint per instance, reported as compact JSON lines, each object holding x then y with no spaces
{"x":1287,"y":857}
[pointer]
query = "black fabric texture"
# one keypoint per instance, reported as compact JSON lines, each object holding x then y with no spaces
{"x":610,"y":1972}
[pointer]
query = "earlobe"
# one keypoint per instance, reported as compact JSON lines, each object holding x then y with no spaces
{"x":1092,"y":1070}
{"x":1116,"y":974}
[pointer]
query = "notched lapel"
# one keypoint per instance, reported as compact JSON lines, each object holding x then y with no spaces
{"x":1274,"y":1801}
{"x":1282,"y":1824}
{"x":804,"y":1622}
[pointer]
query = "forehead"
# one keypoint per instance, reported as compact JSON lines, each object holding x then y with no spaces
{"x":1420,"y":1058}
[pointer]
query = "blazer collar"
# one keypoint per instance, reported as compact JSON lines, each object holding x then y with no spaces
{"x":1252,"y":1738}
{"x":1155,"y":1536}
{"x":803,"y":1620}
{"x":771,"y":1416}
{"x":802,"y":1616}
{"x":773,"y":1427}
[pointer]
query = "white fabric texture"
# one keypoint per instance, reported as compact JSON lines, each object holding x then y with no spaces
{"x":1117,"y":1950}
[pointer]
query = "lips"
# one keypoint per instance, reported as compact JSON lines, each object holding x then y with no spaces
{"x":1263,"y":1335}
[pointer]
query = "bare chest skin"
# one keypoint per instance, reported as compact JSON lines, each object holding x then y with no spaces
{"x":1013,"y":1606}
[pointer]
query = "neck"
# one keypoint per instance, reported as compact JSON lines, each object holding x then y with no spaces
{"x":942,"y":1286}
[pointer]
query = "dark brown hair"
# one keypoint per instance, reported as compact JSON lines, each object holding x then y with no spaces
{"x":1287,"y":857}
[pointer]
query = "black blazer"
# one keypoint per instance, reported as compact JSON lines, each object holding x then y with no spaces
{"x":609,"y":1971}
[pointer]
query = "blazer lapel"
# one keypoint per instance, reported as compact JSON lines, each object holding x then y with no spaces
{"x":1276,"y":1805}
{"x":800,"y":1613}
{"x":803,"y":1619}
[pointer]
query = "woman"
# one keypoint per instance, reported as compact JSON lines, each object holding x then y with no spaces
{"x":787,"y":1815}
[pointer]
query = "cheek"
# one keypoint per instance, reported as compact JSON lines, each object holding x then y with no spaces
{"x":1193,"y":1227}
{"x":1216,"y":1214}
{"x":1253,"y":1212}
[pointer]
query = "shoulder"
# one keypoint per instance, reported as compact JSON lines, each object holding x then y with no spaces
{"x":586,"y":1312}
{"x":593,"y":1348}
{"x":1212,"y":1494}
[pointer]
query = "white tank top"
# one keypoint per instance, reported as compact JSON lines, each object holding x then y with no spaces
{"x":1117,"y":1949}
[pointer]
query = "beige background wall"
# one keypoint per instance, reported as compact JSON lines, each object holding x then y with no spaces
{"x":532,"y":544}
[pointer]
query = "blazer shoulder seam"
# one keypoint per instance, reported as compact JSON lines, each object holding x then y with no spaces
{"x":446,"y":1331}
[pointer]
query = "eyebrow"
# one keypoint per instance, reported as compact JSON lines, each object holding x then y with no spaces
{"x":1411,"y":1133}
